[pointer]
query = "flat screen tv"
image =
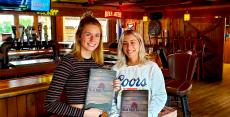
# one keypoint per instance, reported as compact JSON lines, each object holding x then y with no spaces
{"x":25,"y":5}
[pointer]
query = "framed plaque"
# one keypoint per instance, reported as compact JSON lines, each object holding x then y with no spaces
{"x":134,"y":103}
{"x":100,"y":89}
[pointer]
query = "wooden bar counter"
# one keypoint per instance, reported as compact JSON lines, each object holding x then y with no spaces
{"x":24,"y":97}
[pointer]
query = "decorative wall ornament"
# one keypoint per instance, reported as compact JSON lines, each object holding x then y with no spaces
{"x":52,"y":12}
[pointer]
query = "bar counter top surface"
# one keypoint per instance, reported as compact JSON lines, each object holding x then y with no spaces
{"x":34,"y":52}
{"x":32,"y":61}
{"x":24,"y":85}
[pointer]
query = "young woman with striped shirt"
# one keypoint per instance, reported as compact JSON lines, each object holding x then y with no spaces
{"x":72,"y":73}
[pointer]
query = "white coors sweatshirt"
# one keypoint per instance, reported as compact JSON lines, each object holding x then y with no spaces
{"x":141,"y":77}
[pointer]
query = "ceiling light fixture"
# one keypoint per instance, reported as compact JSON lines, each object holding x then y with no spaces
{"x":186,"y":16}
{"x":145,"y":18}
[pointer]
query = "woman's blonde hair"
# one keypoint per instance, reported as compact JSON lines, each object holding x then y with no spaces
{"x":97,"y":55}
{"x":122,"y":58}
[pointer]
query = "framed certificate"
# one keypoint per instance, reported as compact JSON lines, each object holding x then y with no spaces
{"x":100,"y":89}
{"x":134,"y":103}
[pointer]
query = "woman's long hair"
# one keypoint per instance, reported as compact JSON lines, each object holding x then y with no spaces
{"x":97,"y":55}
{"x":122,"y":58}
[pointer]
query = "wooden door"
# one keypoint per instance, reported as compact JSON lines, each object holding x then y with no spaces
{"x":209,"y":32}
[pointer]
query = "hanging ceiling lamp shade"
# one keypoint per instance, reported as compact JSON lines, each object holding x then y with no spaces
{"x":186,"y":17}
{"x":145,"y":18}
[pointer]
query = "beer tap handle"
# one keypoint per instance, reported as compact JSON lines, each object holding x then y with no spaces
{"x":40,"y":30}
{"x":14,"y":32}
{"x":21,"y":31}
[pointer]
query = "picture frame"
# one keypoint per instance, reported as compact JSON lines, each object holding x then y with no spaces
{"x":134,"y":103}
{"x":131,"y":25}
{"x":100,"y":89}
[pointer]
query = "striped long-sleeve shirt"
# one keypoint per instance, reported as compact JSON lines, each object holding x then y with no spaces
{"x":71,"y":75}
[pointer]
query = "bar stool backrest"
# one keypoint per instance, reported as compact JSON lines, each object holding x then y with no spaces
{"x":182,"y":66}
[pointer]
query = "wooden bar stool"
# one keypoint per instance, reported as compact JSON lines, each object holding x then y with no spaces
{"x":181,"y":69}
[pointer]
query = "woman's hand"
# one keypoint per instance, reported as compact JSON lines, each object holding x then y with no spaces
{"x":93,"y":112}
{"x":117,"y":85}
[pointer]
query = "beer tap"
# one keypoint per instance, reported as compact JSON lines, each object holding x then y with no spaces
{"x":34,"y":37}
{"x":14,"y":36}
{"x":46,"y":35}
{"x":28,"y":33}
{"x":40,"y":33}
{"x":14,"y":32}
{"x":21,"y":33}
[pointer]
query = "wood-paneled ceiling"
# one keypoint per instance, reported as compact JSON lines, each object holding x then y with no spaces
{"x":148,"y":4}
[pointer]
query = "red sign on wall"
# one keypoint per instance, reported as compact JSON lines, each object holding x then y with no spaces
{"x":116,"y":14}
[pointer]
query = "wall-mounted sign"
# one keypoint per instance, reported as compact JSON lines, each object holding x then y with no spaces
{"x":130,"y":25}
{"x":116,"y":14}
{"x":52,"y":12}
{"x":40,"y":5}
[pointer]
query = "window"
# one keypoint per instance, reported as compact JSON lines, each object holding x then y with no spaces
{"x":46,"y":22}
{"x":104,"y":25}
{"x":26,"y":20}
{"x":6,"y":21}
{"x":70,"y":25}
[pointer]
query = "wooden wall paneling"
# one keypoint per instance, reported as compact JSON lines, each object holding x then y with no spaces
{"x":227,"y":41}
{"x":16,"y":23}
{"x":190,"y":34}
{"x":181,"y":34}
{"x":204,"y":30}
{"x":176,"y":38}
{"x":31,"y":105}
{"x":226,"y":51}
{"x":171,"y":34}
{"x":35,"y":25}
{"x":40,"y":97}
{"x":21,"y":105}
{"x":139,"y":26}
{"x":212,"y":34}
{"x":217,"y":37}
{"x":98,"y":11}
{"x":146,"y":33}
{"x":12,"y":109}
{"x":59,"y":28}
{"x":3,"y":108}
{"x":112,"y":31}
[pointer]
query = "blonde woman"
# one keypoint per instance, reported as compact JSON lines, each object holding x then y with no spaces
{"x":136,"y":72}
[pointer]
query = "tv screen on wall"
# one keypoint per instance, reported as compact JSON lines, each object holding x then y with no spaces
{"x":25,"y":5}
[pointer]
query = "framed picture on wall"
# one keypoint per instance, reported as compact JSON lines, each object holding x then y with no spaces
{"x":131,"y":26}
